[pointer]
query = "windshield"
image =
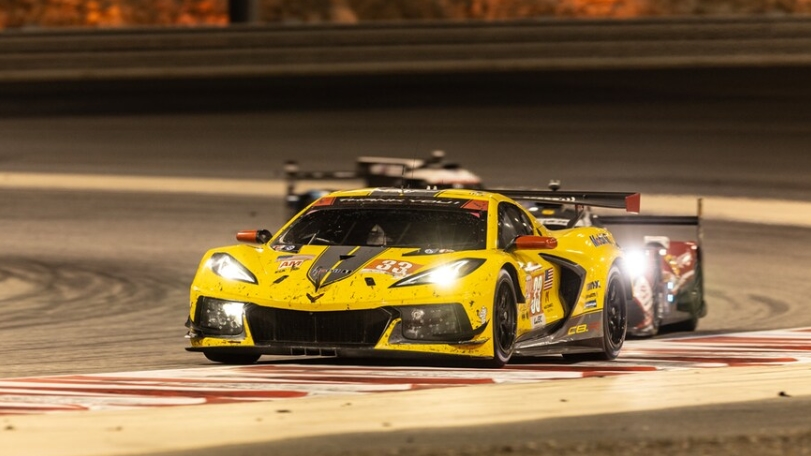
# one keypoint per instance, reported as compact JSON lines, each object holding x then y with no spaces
{"x":427,"y":228}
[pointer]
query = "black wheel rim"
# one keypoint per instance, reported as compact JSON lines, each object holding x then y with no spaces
{"x":505,"y":319}
{"x":615,"y":314}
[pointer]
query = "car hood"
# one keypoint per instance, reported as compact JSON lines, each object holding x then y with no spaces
{"x":333,"y":276}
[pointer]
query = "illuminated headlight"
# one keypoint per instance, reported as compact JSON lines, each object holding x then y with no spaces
{"x":444,"y":275}
{"x":227,"y":267}
{"x":217,"y":317}
{"x":637,"y":263}
{"x":435,"y":322}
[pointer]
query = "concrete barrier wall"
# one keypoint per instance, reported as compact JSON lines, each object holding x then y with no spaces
{"x":423,"y":48}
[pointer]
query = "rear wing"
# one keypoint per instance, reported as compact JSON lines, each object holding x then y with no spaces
{"x":614,"y":200}
{"x":672,"y":220}
{"x":292,"y":173}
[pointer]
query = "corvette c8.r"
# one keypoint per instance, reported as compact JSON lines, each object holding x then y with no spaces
{"x":402,"y":272}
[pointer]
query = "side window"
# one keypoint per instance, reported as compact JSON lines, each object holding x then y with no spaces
{"x":512,"y":222}
{"x":526,"y":224}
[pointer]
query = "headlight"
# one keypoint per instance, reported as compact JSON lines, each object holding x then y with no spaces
{"x":227,"y":267}
{"x":444,"y":275}
{"x":637,"y":262}
{"x":218,"y":317}
{"x":435,"y":322}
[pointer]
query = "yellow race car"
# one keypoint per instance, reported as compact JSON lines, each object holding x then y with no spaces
{"x":403,"y":272}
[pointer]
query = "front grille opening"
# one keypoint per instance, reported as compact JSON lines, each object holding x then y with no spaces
{"x":345,"y":327}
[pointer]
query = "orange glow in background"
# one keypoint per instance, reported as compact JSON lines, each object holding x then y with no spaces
{"x":117,"y":13}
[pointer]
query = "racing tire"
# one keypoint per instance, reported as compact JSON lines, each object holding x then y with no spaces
{"x":505,"y":317}
{"x":615,"y":315}
{"x":232,"y":358}
{"x":615,"y":321}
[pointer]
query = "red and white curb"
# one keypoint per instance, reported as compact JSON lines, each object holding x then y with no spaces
{"x":263,"y":382}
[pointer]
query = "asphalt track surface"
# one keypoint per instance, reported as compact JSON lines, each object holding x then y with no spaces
{"x":98,"y":281}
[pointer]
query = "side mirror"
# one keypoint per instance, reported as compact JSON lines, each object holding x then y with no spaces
{"x":254,"y":236}
{"x":531,"y":242}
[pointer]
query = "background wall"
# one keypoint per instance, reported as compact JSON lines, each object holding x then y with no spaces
{"x":105,"y":13}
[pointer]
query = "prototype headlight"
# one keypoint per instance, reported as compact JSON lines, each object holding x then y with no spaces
{"x":443,"y":275}
{"x":218,"y":317}
{"x":637,"y":263}
{"x":227,"y":267}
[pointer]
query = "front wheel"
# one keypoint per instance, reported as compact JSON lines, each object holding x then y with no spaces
{"x":615,"y":321}
{"x":504,"y":320}
{"x":231,"y":358}
{"x":615,"y":315}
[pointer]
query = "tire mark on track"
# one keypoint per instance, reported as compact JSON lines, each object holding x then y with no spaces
{"x":38,"y":292}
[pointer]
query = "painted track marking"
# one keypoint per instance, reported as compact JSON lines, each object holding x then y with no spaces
{"x":269,"y":382}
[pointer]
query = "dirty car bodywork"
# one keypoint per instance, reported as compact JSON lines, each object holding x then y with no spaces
{"x":398,"y":272}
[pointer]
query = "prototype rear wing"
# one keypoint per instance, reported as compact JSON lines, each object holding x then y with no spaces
{"x":293,"y":172}
{"x":672,"y":220}
{"x":613,"y":200}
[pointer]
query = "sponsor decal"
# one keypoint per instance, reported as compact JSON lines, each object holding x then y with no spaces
{"x":594,"y":285}
{"x":554,"y":221}
{"x":600,"y":239}
{"x":547,"y":302}
{"x":583,"y":328}
{"x":534,"y":291}
{"x":292,"y":261}
{"x":591,"y":295}
{"x":289,"y":264}
{"x":322,"y":270}
{"x":281,"y":258}
{"x":284,"y":248}
{"x":398,"y":191}
{"x":407,"y":200}
{"x":579,"y":329}
{"x":538,"y":295}
{"x":397,"y":268}
{"x":590,"y":305}
{"x":529,"y":267}
{"x":339,"y":262}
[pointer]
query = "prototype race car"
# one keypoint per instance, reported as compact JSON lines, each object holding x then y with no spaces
{"x":391,"y":271}
{"x":434,"y":172}
{"x":667,"y":275}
